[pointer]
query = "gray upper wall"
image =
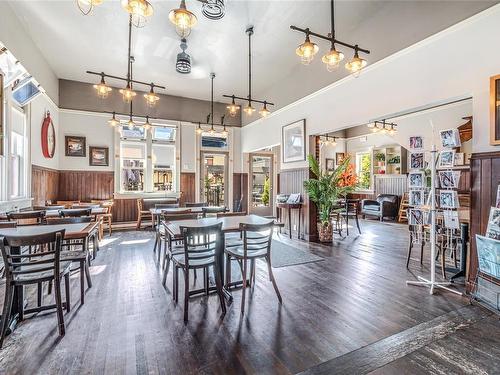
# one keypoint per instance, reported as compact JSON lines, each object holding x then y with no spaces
{"x":82,"y":96}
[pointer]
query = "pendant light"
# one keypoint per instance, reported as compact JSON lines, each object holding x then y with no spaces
{"x":307,"y":50}
{"x":131,"y":123}
{"x":183,"y":19}
{"x":103,"y":90}
{"x":140,"y":10}
{"x":331,"y":59}
{"x":114,"y":121}
{"x":127,"y":93}
{"x":183,"y":63}
{"x":87,"y":6}
{"x":249,"y":109}
{"x":151,"y":97}
{"x":199,"y":129}
{"x":213,"y":9}
{"x":147,"y":124}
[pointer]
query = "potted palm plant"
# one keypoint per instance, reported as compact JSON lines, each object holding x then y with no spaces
{"x":326,"y":189}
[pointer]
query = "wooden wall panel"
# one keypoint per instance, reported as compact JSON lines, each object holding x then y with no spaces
{"x":86,"y":185}
{"x":44,"y":185}
{"x":484,"y":180}
{"x":240,"y":189}
{"x":188,"y":187}
{"x":125,"y":210}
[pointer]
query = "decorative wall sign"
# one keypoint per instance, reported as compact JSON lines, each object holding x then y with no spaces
{"x":293,"y":141}
{"x":495,"y":110}
{"x":75,"y":146}
{"x":48,"y":137}
{"x":98,"y":156}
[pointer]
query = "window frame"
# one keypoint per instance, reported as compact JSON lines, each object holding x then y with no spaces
{"x":359,"y":155}
{"x":25,"y":157}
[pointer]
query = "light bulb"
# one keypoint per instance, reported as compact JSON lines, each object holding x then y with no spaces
{"x":264,"y":112}
{"x":127,"y":93}
{"x":249,"y":110}
{"x":113,"y":121}
{"x":139,"y":9}
{"x":356,"y":64}
{"x":183,"y":19}
{"x":307,"y":50}
{"x":151,"y":98}
{"x":199,"y":130}
{"x":87,"y":6}
{"x":102,"y":89}
{"x":332,"y":59}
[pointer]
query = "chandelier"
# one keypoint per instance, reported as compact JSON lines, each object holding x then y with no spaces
{"x":127,"y":92}
{"x":326,"y":140}
{"x":183,"y":63}
{"x":383,"y":127}
{"x":140,"y":10}
{"x":249,"y":109}
{"x":210,"y":116}
{"x":184,"y":20}
{"x":332,"y":59}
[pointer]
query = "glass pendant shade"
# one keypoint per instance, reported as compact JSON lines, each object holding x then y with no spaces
{"x":147,"y":124}
{"x":249,"y":110}
{"x":127,"y":93}
{"x":264,"y":112}
{"x":140,"y":10}
{"x":307,"y":50}
{"x":102,"y":89}
{"x":183,"y":63}
{"x":183,"y":19}
{"x":87,"y":6}
{"x":131,"y":123}
{"x":233,"y":108}
{"x":355,"y":65}
{"x":114,"y":121}
{"x":199,"y":129}
{"x":332,"y":59}
{"x":213,"y":9}
{"x":151,"y":98}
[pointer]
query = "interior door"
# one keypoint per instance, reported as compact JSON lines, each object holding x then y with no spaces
{"x":214,"y":171}
{"x":260,"y":182}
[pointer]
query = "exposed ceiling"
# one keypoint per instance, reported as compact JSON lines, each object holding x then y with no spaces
{"x":73,"y":43}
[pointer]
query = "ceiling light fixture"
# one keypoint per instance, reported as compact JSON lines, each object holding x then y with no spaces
{"x":233,"y":108}
{"x":249,"y":110}
{"x":87,"y":6}
{"x":114,"y":121}
{"x":213,"y":9}
{"x":383,"y":127}
{"x":151,"y":97}
{"x":140,"y":11}
{"x":183,"y":63}
{"x":127,"y":93}
{"x":308,"y":49}
{"x":199,"y":129}
{"x":183,"y":19}
{"x":103,"y":90}
{"x":147,"y":124}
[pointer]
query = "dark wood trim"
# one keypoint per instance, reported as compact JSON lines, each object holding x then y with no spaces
{"x":188,"y":187}
{"x":44,"y":184}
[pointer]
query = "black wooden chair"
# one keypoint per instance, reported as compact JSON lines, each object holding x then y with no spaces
{"x":5,"y":224}
{"x":413,"y":240}
{"x":350,"y":210}
{"x":26,"y":269}
{"x":160,"y":232}
{"x":257,"y":241}
{"x":193,"y":204}
{"x":75,"y":212}
{"x":27,"y":217}
{"x":76,"y":251}
{"x":212,"y":210}
{"x":201,"y":248}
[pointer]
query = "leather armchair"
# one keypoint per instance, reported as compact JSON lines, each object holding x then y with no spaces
{"x":386,"y":205}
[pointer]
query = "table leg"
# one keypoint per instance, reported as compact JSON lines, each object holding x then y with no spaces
{"x":464,"y":227}
{"x":220,"y":264}
{"x":290,"y":223}
{"x":300,"y":211}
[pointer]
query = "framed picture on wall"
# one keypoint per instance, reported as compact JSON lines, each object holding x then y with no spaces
{"x":339,"y":158}
{"x":293,"y":141}
{"x":330,"y":164}
{"x":75,"y":146}
{"x":98,"y":156}
{"x":495,"y":110}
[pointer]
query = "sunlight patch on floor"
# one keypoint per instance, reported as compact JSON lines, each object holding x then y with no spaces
{"x":135,"y":242}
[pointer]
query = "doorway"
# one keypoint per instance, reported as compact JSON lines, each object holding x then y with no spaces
{"x":261,"y":189}
{"x":214,"y":171}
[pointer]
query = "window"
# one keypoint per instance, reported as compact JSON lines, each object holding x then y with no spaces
{"x":364,"y":170}
{"x":148,"y":160}
{"x":17,"y":154}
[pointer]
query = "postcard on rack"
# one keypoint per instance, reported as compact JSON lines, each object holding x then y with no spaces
{"x":493,"y":229}
{"x":416,"y":143}
{"x":416,"y":180}
{"x":417,"y":197}
{"x":447,"y":159}
{"x":451,"y":220}
{"x":448,"y":199}
{"x":449,"y":179}
{"x":415,"y":216}
{"x":488,"y":255}
{"x":417,"y":160}
{"x":497,"y":205}
{"x":450,"y":138}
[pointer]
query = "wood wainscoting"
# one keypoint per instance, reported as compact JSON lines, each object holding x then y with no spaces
{"x":44,"y":185}
{"x":485,"y":178}
{"x":240,"y":189}
{"x":188,"y":187}
{"x":86,"y":185}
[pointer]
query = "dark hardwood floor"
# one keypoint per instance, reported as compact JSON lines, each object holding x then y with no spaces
{"x":351,"y":313}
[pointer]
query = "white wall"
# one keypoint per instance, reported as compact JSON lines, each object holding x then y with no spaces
{"x":97,"y":132}
{"x":188,"y":147}
{"x":455,"y":63}
{"x":36,"y":114}
{"x":14,"y":36}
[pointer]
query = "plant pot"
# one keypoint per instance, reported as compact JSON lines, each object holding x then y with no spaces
{"x":325,"y":232}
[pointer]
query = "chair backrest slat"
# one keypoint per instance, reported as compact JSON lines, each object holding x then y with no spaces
{"x":27,"y":217}
{"x":213,"y":210}
{"x":68,"y":220}
{"x":257,"y":237}
{"x":75,"y":212}
{"x":201,"y":243}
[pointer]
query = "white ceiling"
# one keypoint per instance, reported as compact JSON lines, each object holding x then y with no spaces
{"x":73,"y":43}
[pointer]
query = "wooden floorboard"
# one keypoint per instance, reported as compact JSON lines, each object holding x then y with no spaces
{"x":129,"y":324}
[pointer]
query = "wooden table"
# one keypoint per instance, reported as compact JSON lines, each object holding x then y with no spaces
{"x":230,"y":224}
{"x":80,"y":231}
{"x":156,"y":212}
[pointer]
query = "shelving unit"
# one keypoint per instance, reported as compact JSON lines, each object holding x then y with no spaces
{"x":390,"y":153}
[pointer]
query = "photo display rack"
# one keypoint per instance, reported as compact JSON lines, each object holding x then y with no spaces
{"x":423,"y":203}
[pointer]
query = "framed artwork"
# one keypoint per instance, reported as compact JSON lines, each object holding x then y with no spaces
{"x":98,"y":156}
{"x":293,"y":141}
{"x":495,"y":110}
{"x":339,"y":157}
{"x":449,"y":179}
{"x":330,"y":164}
{"x":75,"y":146}
{"x":416,"y":143}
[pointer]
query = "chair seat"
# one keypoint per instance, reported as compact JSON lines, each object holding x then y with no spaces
{"x":180,"y":260}
{"x":371,"y":208}
{"x":74,"y":255}
{"x":237,"y":252}
{"x":40,"y":276}
{"x":177,"y":249}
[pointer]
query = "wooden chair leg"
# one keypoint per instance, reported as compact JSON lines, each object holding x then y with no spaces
{"x":156,"y":242}
{"x":218,"y":284}
{"x":243,"y":290}
{"x":357,"y":224}
{"x":271,"y":276}
{"x":67,"y":292}
{"x":252,"y":272}
{"x":186,"y":294}
{"x":82,"y":282}
{"x":410,"y":246}
{"x":138,"y":225}
{"x":443,"y":261}
{"x":7,"y":307}
{"x":87,"y":275}
{"x":110,"y":229}
{"x":422,"y":252}
{"x":165,"y":272}
{"x":206,"y":280}
{"x":228,"y":270}
{"x":39,"y":294}
{"x":59,"y":307}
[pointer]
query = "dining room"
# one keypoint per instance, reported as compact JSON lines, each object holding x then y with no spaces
{"x":238,"y":187}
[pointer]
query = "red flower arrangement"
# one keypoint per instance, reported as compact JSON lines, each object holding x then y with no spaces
{"x":348,"y":178}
